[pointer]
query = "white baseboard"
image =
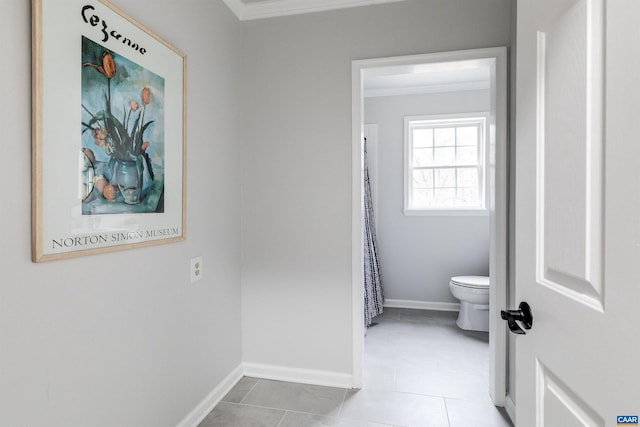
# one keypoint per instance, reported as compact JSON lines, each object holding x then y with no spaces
{"x":510,"y":407}
{"x":212,"y":399}
{"x":422,"y":305}
{"x":297,"y":375}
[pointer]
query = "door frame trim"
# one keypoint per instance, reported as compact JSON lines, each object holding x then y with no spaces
{"x":496,"y":58}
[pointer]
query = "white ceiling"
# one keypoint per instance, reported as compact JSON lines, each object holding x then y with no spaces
{"x":257,"y":9}
{"x":426,"y":78}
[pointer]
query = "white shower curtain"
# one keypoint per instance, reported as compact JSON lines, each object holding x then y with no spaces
{"x":373,"y":293}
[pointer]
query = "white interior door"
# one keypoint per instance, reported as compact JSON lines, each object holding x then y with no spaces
{"x":578,"y":211}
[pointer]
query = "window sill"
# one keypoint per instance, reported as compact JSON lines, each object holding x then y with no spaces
{"x":445,"y":212}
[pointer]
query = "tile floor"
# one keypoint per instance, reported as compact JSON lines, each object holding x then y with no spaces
{"x":421,"y":370}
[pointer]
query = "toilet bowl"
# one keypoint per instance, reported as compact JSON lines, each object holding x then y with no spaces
{"x":473,"y":293}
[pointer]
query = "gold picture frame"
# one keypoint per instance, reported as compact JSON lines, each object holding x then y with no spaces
{"x":108,"y":132}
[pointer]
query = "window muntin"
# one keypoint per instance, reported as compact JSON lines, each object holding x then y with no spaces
{"x":445,"y":163}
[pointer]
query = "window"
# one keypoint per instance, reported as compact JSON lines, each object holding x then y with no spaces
{"x":445,"y":164}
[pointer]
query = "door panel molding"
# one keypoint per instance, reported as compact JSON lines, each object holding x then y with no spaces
{"x":555,"y":397}
{"x":570,"y":160}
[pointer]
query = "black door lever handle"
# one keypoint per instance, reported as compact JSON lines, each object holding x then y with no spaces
{"x":523,"y":315}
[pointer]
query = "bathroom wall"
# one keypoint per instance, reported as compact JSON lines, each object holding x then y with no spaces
{"x":124,"y":339}
{"x":419,"y":254}
{"x":296,"y":196}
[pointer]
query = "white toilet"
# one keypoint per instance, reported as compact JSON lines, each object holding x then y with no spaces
{"x":473,"y":293}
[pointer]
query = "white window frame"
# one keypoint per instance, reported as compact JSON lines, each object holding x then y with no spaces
{"x":440,"y":120}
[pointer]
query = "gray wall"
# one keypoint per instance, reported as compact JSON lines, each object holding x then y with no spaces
{"x":296,"y":197}
{"x":419,"y":254}
{"x":123,"y":339}
{"x":140,"y":345}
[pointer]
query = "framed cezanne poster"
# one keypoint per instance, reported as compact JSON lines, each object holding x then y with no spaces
{"x":109,"y":127}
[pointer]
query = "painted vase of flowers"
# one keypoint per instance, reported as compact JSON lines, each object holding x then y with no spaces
{"x":122,"y":139}
{"x":128,"y":177}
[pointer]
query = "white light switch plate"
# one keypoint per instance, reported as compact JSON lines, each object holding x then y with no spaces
{"x":196,"y":269}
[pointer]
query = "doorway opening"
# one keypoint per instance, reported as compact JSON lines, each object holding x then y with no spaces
{"x":491,"y":61}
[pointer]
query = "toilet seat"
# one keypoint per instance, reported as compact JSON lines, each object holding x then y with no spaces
{"x":472,"y":282}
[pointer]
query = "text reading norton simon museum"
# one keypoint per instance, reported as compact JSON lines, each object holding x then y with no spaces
{"x":98,"y":239}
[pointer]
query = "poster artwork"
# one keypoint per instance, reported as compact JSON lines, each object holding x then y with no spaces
{"x":109,"y":132}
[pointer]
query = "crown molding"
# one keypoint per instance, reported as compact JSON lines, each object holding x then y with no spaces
{"x":273,"y":8}
{"x":236,"y":6}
